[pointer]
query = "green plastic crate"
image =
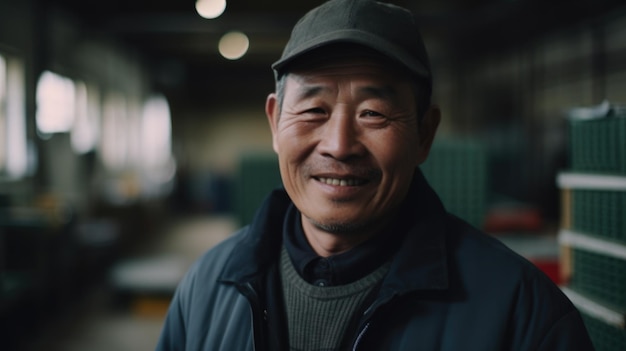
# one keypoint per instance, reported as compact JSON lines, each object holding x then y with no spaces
{"x":457,"y":171}
{"x":600,"y":213}
{"x":258,"y":174}
{"x":598,"y":145}
{"x":605,"y":337}
{"x":601,"y":278}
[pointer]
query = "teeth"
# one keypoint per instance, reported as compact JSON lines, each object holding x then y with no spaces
{"x":339,"y":182}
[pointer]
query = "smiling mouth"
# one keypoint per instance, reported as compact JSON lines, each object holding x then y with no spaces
{"x":342,"y":181}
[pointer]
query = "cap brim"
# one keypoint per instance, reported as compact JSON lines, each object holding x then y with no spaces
{"x":356,"y":37}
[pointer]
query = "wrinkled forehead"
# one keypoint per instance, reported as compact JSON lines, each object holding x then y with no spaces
{"x":352,"y":78}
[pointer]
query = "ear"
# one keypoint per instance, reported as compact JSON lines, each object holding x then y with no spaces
{"x":427,"y":130}
{"x":272,"y":113}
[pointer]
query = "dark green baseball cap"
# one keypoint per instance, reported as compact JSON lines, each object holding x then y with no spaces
{"x":386,"y":28}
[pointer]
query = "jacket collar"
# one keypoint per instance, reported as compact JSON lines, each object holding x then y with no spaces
{"x":261,"y":241}
{"x":419,"y":265}
{"x":421,"y":262}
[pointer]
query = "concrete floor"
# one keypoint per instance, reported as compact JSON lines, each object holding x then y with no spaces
{"x":102,"y":321}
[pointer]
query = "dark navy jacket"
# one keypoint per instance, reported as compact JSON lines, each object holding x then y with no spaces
{"x":450,"y":288}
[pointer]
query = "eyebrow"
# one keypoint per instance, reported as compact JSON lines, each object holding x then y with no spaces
{"x":383,"y":92}
{"x":309,"y":91}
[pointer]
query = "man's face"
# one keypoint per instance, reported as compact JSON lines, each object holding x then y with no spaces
{"x":348,"y":143}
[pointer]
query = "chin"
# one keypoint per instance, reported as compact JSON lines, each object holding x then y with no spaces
{"x":341,"y":227}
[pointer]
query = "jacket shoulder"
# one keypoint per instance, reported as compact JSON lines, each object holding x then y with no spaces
{"x":205,"y":313}
{"x":480,"y":250}
{"x":211,"y":263}
{"x":487,"y":270}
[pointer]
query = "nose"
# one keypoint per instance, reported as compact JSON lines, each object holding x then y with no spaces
{"x":340,"y":137}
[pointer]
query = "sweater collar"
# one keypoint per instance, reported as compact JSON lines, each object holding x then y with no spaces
{"x":420,"y":263}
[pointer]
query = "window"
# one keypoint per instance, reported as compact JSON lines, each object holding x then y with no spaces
{"x":56,"y":103}
{"x":156,"y":146}
{"x":13,"y":142}
{"x":3,"y":112}
{"x":156,"y":133}
{"x":114,"y":149}
{"x":86,"y":127}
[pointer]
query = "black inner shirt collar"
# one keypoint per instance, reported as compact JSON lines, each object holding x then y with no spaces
{"x":346,"y":267}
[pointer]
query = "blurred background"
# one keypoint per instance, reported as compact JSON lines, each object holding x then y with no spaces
{"x":133,"y":138}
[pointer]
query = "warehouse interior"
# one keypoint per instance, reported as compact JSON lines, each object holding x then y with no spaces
{"x":131,"y":141}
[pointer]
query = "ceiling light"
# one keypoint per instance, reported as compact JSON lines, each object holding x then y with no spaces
{"x":234,"y":45}
{"x":210,"y":8}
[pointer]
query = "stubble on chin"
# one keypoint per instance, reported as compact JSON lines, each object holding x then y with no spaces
{"x":339,"y":228}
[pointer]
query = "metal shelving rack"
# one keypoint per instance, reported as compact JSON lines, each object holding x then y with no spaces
{"x":592,"y":237}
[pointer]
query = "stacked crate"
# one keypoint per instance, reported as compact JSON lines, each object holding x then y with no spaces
{"x":257,"y":175}
{"x":457,"y":171}
{"x":593,"y":228}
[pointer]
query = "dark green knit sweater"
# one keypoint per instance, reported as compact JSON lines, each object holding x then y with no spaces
{"x":318,"y":317}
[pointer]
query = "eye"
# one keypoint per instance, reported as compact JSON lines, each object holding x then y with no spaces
{"x":315,"y":110}
{"x":373,"y":119}
{"x":313,"y":114}
{"x":370,"y":113}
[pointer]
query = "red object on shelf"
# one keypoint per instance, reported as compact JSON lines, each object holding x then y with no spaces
{"x":550,"y":267}
{"x":506,"y":219}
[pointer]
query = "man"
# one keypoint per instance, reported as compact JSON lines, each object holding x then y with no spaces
{"x":357,"y":252}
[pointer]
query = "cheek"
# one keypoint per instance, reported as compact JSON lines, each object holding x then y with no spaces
{"x":289,"y":176}
{"x":396,"y":152}
{"x":292,"y":156}
{"x":295,"y":142}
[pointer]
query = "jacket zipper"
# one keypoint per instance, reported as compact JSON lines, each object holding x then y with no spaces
{"x":365,"y":324}
{"x":360,"y":336}
{"x":367,"y":320}
{"x":248,"y":291}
